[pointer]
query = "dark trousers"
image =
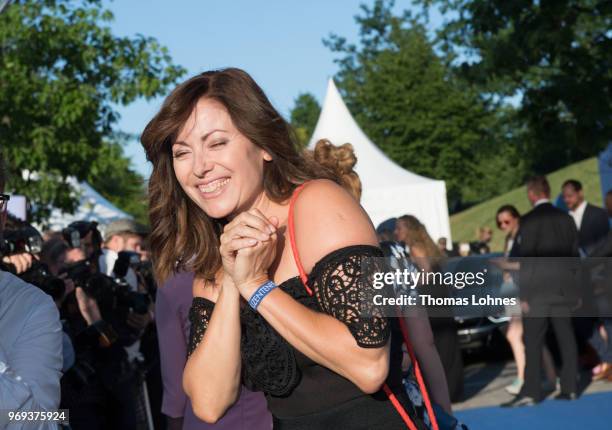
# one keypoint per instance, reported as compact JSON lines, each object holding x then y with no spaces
{"x":534,"y":334}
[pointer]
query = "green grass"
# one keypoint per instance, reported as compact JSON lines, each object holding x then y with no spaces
{"x":464,"y":225}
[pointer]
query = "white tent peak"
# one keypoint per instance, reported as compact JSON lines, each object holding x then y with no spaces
{"x":388,"y":189}
{"x":338,"y":125}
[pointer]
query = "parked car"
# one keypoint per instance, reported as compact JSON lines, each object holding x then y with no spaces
{"x":478,"y":326}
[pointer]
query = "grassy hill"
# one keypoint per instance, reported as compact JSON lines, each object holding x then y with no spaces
{"x":464,"y":224}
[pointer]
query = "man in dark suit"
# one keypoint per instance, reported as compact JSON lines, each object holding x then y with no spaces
{"x":592,"y":224}
{"x":547,"y":291}
{"x":591,"y":221}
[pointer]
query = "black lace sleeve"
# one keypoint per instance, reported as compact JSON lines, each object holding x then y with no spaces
{"x":199,"y":317}
{"x":342,"y":285}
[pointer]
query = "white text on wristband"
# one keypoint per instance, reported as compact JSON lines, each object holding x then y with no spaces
{"x":260,"y":293}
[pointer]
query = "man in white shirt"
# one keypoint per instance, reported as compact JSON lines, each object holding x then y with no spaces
{"x":591,"y":221}
{"x":30,"y":345}
{"x":121,"y":235}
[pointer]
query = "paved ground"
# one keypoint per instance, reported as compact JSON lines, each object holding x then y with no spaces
{"x":485,"y":382}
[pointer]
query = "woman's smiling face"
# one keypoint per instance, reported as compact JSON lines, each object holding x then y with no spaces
{"x":219,"y":168}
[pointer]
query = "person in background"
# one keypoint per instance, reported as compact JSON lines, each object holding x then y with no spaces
{"x":426,"y":256}
{"x":386,"y":238}
{"x":593,"y":226}
{"x":508,"y":221}
{"x":602,"y":335}
{"x":86,"y":236}
{"x":121,"y":235}
{"x":30,"y":341}
{"x":591,"y":221}
{"x":547,"y":290}
{"x":481,"y":246}
{"x":172,"y":319}
{"x":442,"y":242}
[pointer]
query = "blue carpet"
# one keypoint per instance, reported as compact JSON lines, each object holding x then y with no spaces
{"x":589,"y":412}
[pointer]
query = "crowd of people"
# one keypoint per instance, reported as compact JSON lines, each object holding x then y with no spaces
{"x":239,"y":307}
{"x":577,"y":309}
{"x":101,"y":358}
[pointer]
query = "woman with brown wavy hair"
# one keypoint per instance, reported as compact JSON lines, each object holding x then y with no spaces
{"x":276,"y":244}
{"x":428,"y":257}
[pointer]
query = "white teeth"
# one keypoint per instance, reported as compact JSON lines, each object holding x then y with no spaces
{"x":213,"y":186}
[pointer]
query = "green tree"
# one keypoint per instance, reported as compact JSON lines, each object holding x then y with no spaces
{"x":407,"y":101}
{"x":556,"y":55}
{"x":304,"y":116}
{"x":112,"y":176}
{"x":62,"y":74}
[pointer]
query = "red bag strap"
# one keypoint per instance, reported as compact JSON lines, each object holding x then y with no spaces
{"x":294,"y":249}
{"x":417,"y":372}
{"x":396,"y":404}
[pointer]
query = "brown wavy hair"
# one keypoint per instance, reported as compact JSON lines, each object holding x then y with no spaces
{"x":418,"y":236}
{"x":182,"y":236}
{"x":341,"y":160}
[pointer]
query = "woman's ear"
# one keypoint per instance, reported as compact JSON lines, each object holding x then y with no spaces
{"x":267,"y":156}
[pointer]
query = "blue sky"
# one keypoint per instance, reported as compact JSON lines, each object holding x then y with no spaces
{"x":278,"y":42}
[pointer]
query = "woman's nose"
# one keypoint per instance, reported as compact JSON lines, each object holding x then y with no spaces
{"x":201,"y":164}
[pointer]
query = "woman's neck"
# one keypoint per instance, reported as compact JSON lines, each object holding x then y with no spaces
{"x":269,"y":208}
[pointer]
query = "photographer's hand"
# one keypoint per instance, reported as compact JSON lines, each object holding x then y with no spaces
{"x":88,"y":307}
{"x":22,"y":262}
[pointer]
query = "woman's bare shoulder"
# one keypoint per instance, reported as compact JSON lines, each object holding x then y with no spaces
{"x":327,"y":218}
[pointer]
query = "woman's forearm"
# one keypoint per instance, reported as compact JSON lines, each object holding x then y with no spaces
{"x":326,"y":341}
{"x":212,"y":374}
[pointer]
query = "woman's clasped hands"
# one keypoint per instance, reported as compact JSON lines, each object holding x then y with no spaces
{"x":248,"y":249}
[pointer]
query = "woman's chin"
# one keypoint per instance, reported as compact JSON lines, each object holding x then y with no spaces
{"x":216,"y":210}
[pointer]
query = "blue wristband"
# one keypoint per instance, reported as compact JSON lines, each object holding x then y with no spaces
{"x":260,"y":293}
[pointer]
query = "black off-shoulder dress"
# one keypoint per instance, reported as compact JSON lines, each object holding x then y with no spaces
{"x":302,"y":394}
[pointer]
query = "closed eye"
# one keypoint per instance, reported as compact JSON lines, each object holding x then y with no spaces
{"x":218,"y":144}
{"x":179,"y":154}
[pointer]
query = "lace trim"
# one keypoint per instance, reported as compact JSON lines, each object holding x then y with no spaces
{"x":342,"y":284}
{"x":199,"y":317}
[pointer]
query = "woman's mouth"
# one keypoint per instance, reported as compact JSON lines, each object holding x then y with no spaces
{"x":214,"y":188}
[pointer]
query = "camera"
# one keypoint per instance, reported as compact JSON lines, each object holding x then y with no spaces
{"x":26,"y":239}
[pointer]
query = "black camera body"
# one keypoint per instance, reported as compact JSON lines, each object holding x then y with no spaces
{"x":26,"y":239}
{"x":23,"y":239}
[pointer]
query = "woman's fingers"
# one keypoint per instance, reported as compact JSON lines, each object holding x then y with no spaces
{"x":247,"y":231}
{"x":240,"y":243}
{"x":270,"y":226}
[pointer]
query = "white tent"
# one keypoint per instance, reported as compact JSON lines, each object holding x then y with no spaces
{"x":92,"y":207}
{"x":388,"y":189}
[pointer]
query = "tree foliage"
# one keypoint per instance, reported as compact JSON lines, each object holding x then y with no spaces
{"x":403,"y":96}
{"x":112,"y":176}
{"x":556,"y":54}
{"x":62,"y":74}
{"x":304,"y":116}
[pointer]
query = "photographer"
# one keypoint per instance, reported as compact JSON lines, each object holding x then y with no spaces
{"x":120,"y":236}
{"x":107,"y":318}
{"x":124,"y":257}
{"x":31,"y":341}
